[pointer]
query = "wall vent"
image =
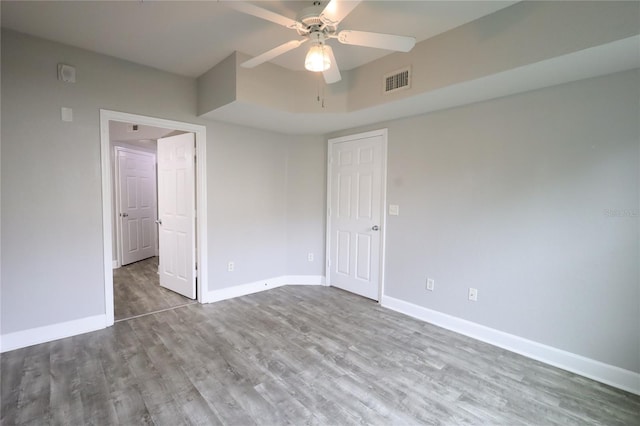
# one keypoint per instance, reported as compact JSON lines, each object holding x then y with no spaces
{"x":397,"y":80}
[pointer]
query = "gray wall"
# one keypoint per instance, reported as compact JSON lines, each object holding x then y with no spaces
{"x":267,"y":201}
{"x":306,"y":201}
{"x":51,"y":190}
{"x":524,"y":33}
{"x":247,"y":205}
{"x":52,"y":266}
{"x":509,"y":196}
{"x":512,"y":197}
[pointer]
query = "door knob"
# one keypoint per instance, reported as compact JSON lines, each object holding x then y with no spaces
{"x":375,"y":228}
{"x":124,"y":214}
{"x":159,"y":221}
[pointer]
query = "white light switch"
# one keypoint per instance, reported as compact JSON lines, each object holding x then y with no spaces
{"x":394,"y":210}
{"x":66,"y":114}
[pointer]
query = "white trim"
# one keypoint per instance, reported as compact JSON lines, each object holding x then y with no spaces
{"x":383,"y":201}
{"x":305,"y":280}
{"x":201,"y":197}
{"x":593,"y":369}
{"x":48,"y":333}
{"x":116,"y":264}
{"x":202,"y":256}
{"x":262,"y":285}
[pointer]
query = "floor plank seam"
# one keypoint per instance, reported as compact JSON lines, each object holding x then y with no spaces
{"x":157,"y":312}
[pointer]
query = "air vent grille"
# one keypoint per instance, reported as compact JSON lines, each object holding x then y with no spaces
{"x":397,"y":80}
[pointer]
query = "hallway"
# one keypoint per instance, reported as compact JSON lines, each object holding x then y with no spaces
{"x":136,"y":291}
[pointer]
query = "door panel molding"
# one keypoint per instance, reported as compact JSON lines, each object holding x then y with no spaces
{"x":176,"y":208}
{"x":335,"y":240}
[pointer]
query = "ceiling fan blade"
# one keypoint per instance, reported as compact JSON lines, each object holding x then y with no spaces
{"x":251,"y":9}
{"x":337,"y":10}
{"x":377,"y":40}
{"x":269,"y":55}
{"x":332,"y":75}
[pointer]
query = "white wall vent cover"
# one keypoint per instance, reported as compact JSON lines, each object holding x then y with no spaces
{"x":397,"y":80}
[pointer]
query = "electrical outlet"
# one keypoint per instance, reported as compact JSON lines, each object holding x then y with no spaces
{"x":231,"y":267}
{"x":430,"y":284}
{"x":310,"y":257}
{"x":473,"y":294}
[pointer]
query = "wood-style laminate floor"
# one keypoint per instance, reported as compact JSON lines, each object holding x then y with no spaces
{"x":293,"y":355}
{"x":137,"y":291}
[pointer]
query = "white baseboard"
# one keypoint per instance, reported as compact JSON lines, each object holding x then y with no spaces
{"x":116,"y":264}
{"x":305,"y":280}
{"x":596,"y":370}
{"x":34,"y":336}
{"x":262,"y":285}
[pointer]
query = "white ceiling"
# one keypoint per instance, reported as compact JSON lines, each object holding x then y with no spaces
{"x":189,"y":38}
{"x":123,"y":132}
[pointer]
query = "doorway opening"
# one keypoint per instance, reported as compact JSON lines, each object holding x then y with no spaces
{"x":141,"y":220}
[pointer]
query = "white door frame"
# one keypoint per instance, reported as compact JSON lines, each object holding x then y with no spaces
{"x":201,"y":198}
{"x":117,"y":190}
{"x":383,"y":202}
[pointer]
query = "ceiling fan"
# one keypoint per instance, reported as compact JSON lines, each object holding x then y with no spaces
{"x":317,"y":25}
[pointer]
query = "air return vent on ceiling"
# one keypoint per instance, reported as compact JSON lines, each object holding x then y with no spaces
{"x":397,"y":80}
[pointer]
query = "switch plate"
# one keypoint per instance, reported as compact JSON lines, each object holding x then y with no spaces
{"x":430,"y":284}
{"x":310,"y":257}
{"x":473,"y":294}
{"x":394,"y":210}
{"x":66,"y":114}
{"x":231,"y":267}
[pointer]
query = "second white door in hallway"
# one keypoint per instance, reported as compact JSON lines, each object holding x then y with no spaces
{"x":137,"y":204}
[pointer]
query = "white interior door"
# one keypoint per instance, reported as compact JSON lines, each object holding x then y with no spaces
{"x":355,"y":213}
{"x":137,"y":203}
{"x":176,"y":212}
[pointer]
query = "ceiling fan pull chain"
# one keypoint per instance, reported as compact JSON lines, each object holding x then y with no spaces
{"x":320,"y":92}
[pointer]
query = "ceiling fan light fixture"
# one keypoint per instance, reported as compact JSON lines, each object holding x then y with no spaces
{"x":317,"y":59}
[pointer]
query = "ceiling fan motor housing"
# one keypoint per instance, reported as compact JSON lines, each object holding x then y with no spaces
{"x":310,"y":18}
